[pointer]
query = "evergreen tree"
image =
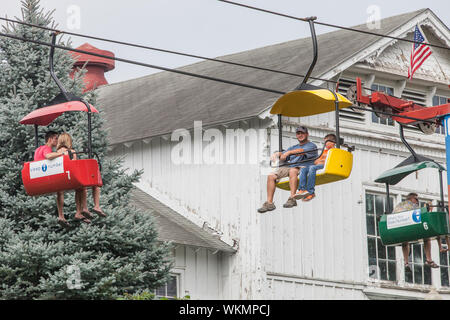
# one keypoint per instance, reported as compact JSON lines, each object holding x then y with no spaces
{"x":38,"y":258}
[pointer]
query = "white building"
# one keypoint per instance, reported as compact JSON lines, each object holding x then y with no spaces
{"x":325,"y":249}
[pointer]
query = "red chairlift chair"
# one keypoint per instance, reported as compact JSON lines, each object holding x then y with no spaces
{"x":63,"y":173}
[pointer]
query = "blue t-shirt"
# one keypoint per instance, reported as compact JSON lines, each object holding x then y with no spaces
{"x":303,"y":156}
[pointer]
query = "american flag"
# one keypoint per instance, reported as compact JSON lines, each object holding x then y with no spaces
{"x":420,"y":52}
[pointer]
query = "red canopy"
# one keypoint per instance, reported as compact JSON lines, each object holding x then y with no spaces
{"x":45,"y":116}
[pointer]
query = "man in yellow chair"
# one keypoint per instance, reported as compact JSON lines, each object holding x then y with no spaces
{"x":304,"y":150}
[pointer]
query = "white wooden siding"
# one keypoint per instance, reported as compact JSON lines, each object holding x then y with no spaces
{"x":199,"y":271}
{"x":317,"y":250}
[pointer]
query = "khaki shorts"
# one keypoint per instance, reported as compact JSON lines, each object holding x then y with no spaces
{"x":282,"y":172}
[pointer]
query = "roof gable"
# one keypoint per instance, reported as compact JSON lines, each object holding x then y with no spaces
{"x":396,"y":53}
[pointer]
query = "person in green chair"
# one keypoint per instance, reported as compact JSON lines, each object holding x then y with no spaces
{"x":304,"y":150}
{"x":411,"y":203}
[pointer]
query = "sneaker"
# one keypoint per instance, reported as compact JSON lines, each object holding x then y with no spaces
{"x":309,"y":197}
{"x":301,"y":194}
{"x":291,"y":202}
{"x":266,"y":207}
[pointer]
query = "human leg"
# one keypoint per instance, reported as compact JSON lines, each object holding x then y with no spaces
{"x":271,"y":185}
{"x":311,"y":183}
{"x":96,"y":197}
{"x":60,"y":205}
{"x":405,"y":251}
{"x":302,"y":178}
{"x":81,"y":205}
{"x":293,"y":174}
{"x":427,"y":248}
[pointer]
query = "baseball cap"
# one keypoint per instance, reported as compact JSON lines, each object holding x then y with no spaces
{"x":301,"y":129}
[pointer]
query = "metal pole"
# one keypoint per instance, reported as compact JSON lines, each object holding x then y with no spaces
{"x":89,"y":129}
{"x":402,"y":137}
{"x":280,"y":137}
{"x":388,"y":203}
{"x":447,"y":150}
{"x":336,"y":105}
{"x":36,"y":136}
{"x":314,"y":40}
{"x":441,"y":188}
{"x":52,"y":71}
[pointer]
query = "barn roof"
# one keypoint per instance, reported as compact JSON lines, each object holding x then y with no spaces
{"x":160,"y":103}
{"x":174,"y":227}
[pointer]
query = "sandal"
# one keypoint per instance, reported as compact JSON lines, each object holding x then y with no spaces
{"x":87,"y":221}
{"x":87,"y":214}
{"x":63,"y":223}
{"x":431,"y":264}
{"x":99,"y":212}
{"x":407,"y":267}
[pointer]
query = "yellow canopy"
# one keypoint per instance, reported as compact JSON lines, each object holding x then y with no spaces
{"x":302,"y":103}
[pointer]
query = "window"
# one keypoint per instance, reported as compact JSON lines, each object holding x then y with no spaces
{"x":438,"y":100}
{"x":418,"y":98}
{"x":382,"y":264}
{"x":169,"y":290}
{"x":444,"y":266}
{"x":347,"y":113}
{"x":420,"y":273}
{"x":389,"y":91}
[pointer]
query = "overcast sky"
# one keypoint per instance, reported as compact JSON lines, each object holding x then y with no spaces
{"x":208,"y":28}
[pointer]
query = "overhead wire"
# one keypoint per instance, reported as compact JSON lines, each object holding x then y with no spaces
{"x":169,"y":51}
{"x":167,"y":69}
{"x":215,"y":59}
{"x":143,"y":64}
{"x":162,"y":50}
{"x":332,"y":25}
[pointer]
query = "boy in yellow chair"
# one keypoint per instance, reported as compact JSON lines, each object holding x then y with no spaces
{"x":307,"y":176}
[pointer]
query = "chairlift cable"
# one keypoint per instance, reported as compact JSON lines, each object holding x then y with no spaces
{"x":144,"y":64}
{"x":332,"y":25}
{"x":163,"y":50}
{"x":169,"y":51}
{"x":180,"y":71}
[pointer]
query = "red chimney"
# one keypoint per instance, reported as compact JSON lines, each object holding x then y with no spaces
{"x":96,"y":66}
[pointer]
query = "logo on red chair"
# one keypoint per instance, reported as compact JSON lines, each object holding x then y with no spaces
{"x":45,"y":168}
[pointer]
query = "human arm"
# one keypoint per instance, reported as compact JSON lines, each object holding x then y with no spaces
{"x":52,"y":155}
{"x":72,"y":154}
{"x":275,"y":155}
{"x":288,"y":153}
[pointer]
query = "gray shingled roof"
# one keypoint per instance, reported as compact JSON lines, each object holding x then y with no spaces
{"x":176,"y":228}
{"x":162,"y":102}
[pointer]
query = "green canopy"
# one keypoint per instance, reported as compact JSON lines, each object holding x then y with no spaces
{"x":395,"y":175}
